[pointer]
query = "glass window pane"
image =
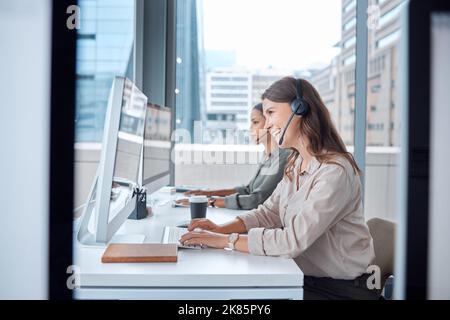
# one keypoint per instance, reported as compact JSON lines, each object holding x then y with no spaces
{"x":336,"y":82}
{"x":223,"y":68}
{"x":383,"y":114}
{"x":104,"y":50}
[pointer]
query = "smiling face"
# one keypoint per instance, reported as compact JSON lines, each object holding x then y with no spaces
{"x":257,"y":123}
{"x":277,"y":115}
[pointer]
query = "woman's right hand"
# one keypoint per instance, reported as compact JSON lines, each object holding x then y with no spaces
{"x":197,"y":193}
{"x":204,"y":224}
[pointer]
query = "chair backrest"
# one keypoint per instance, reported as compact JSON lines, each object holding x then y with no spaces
{"x":383,"y":234}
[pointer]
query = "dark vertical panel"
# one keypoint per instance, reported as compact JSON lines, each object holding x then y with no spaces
{"x":61,"y":149}
{"x":171,"y":56}
{"x":154,"y":51}
{"x":419,"y":50}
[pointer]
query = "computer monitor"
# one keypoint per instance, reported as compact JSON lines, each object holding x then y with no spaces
{"x":112,"y":198}
{"x":157,"y":148}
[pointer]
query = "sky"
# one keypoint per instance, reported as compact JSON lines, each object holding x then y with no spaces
{"x":285,"y":34}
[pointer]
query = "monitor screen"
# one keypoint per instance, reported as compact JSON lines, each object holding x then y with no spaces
{"x":118,"y":172}
{"x":130,"y":135}
{"x":157,"y":143}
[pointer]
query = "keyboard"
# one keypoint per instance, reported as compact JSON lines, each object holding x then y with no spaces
{"x":173,"y":235}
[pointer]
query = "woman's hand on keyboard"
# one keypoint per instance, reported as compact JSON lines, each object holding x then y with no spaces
{"x":204,"y":224}
{"x":204,"y":238}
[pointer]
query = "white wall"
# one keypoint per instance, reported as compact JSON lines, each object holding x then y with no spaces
{"x":380,"y":192}
{"x":25,"y":33}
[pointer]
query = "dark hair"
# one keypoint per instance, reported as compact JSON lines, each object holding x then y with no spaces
{"x":259,"y":107}
{"x":324,"y":141}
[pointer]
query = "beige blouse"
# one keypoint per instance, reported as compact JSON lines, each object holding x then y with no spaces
{"x":321,"y":225}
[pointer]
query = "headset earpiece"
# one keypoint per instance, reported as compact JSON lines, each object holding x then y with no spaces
{"x":299,"y":106}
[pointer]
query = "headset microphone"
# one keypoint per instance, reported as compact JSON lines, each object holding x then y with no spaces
{"x":280,"y":142}
{"x":258,"y":140}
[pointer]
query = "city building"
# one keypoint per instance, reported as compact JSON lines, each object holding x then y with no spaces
{"x":104,"y":50}
{"x":261,"y":80}
{"x":228,"y":100}
{"x":336,"y":83}
{"x":190,"y":66}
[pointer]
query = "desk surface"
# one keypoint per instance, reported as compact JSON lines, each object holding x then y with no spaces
{"x":207,"y":268}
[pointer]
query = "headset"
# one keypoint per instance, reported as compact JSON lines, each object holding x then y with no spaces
{"x":299,"y":106}
{"x":259,"y":139}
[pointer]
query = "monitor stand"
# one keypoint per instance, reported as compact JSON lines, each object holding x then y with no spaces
{"x":87,"y":238}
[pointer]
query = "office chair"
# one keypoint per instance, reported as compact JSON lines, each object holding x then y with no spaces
{"x":383,"y":234}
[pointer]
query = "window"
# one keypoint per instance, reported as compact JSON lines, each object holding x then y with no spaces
{"x":104,"y":50}
{"x":376,"y":127}
{"x":376,"y":65}
{"x":350,"y":42}
{"x":388,"y":39}
{"x":376,"y":88}
{"x":231,"y":95}
{"x":390,"y":15}
{"x":348,"y":25}
{"x":228,"y":104}
{"x":234,"y":71}
{"x":349,"y":60}
{"x":349,"y":6}
{"x":383,"y":121}
{"x":383,"y":73}
{"x":228,"y":87}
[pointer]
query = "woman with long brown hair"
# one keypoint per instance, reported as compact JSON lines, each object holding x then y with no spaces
{"x":315,"y":214}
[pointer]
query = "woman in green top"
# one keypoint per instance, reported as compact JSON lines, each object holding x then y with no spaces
{"x":264,"y":181}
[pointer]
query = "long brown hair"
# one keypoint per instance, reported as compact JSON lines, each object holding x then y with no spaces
{"x":324,"y":141}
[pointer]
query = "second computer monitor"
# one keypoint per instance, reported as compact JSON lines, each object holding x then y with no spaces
{"x":157,"y":147}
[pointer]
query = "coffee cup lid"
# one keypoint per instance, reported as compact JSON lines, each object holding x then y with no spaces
{"x":198,"y":199}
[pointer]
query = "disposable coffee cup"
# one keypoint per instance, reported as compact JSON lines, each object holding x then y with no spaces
{"x":198,"y":205}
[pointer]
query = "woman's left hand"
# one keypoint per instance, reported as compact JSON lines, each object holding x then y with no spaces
{"x":205,"y":238}
{"x":182,"y":202}
{"x":185,"y":202}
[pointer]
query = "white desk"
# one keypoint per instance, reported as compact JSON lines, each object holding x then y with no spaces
{"x":198,"y":274}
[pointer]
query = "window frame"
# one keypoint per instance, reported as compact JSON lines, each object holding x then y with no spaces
{"x":360,"y":115}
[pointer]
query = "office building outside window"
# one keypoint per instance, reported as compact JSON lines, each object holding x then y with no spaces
{"x":382,"y":76}
{"x":336,"y":83}
{"x":190,"y":73}
{"x":239,"y":61}
{"x":383,"y":110}
{"x":228,"y":101}
{"x":104,"y":50}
